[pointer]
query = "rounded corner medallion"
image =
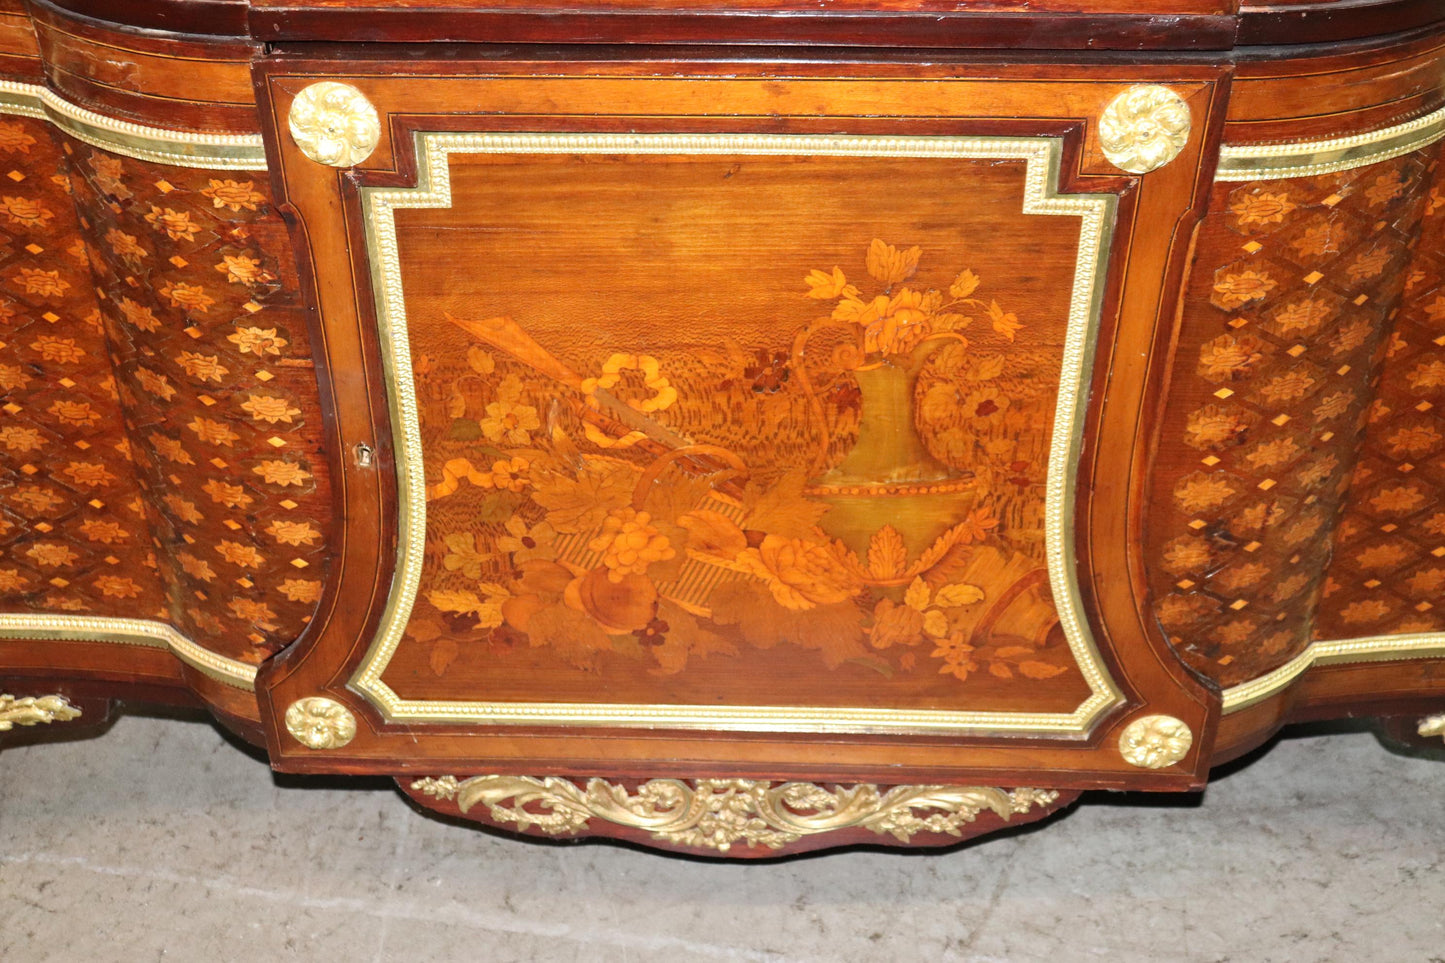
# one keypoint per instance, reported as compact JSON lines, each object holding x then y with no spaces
{"x":320,"y":723}
{"x":1144,"y":128}
{"x":1155,"y":742}
{"x":334,"y":124}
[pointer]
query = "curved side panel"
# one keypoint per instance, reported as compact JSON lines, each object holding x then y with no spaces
{"x":1295,"y":284}
{"x":196,"y":302}
{"x":1277,"y":565}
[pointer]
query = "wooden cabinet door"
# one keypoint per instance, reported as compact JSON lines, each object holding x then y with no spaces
{"x":765,"y":420}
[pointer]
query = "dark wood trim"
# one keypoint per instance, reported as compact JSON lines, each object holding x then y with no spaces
{"x":869,"y":29}
{"x":1289,"y":24}
{"x":210,"y":18}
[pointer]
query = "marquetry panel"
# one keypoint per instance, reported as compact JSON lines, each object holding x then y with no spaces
{"x":1295,"y":285}
{"x":199,"y":296}
{"x":73,"y":530}
{"x":1388,"y":572}
{"x":697,"y":424}
{"x":815,"y":456}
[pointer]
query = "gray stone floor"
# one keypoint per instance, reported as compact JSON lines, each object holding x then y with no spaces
{"x":163,"y":840}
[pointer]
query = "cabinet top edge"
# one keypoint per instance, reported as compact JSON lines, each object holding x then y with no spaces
{"x":1037,"y":25}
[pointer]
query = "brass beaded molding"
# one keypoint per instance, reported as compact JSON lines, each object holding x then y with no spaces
{"x":143,"y":632}
{"x":155,"y":144}
{"x":717,"y":813}
{"x":1381,"y":648}
{"x":1256,"y":162}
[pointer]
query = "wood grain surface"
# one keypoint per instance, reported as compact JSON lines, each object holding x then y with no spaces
{"x":187,"y":383}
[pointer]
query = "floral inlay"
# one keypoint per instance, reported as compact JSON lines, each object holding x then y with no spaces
{"x":612,"y":515}
{"x":1293,"y":293}
{"x":74,"y":537}
{"x":204,"y":329}
{"x":1385,"y":577}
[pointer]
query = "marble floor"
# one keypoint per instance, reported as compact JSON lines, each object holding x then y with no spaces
{"x":164,"y":840}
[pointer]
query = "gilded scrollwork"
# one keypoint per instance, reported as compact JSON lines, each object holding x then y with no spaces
{"x":334,"y":124}
{"x":34,"y":710}
{"x":1155,"y":742}
{"x":1144,"y":128}
{"x":718,"y":813}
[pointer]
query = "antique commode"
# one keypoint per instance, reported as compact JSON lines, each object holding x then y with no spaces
{"x":736,"y":426}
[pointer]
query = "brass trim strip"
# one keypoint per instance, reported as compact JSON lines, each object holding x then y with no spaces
{"x":1378,"y":648}
{"x":433,"y":190}
{"x":155,"y":144}
{"x":145,"y":632}
{"x":1257,"y":162}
